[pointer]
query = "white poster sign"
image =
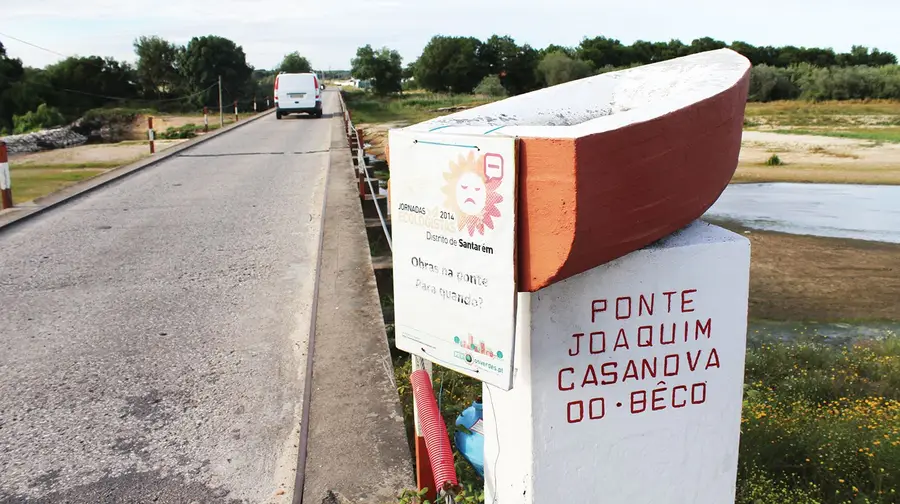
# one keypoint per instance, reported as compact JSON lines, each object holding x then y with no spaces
{"x":453,"y":208}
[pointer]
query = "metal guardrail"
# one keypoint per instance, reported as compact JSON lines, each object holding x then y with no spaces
{"x":418,"y":363}
{"x":352,"y":132}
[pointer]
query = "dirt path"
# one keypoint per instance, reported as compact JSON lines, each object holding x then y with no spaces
{"x":822,"y":279}
{"x":108,"y":155}
{"x":809,"y":158}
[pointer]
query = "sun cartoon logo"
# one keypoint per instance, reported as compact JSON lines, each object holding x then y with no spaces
{"x":471,"y":195}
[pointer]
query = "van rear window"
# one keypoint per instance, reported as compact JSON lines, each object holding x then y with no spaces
{"x":297,"y":81}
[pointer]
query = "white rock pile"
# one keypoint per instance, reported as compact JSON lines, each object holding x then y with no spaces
{"x":56,"y":138}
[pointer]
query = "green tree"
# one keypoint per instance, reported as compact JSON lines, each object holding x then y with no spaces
{"x":490,"y":86}
{"x":602,"y":51}
{"x":78,"y":84}
{"x":11,"y":73}
{"x":44,"y":117}
{"x":294,"y":63}
{"x":450,"y":64}
{"x":157,"y":67}
{"x":645,"y":52}
{"x":515,"y":65}
{"x":769,"y":83}
{"x":265,"y":81}
{"x":705,"y":44}
{"x":557,"y":68}
{"x":568,"y":51}
{"x":383,"y":67}
{"x":205,"y":59}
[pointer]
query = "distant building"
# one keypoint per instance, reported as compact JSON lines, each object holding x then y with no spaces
{"x":357,"y":83}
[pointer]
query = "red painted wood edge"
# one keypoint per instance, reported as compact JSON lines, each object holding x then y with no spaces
{"x":587,"y":201}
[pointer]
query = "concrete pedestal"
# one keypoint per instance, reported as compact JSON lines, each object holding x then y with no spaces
{"x":628,"y":380}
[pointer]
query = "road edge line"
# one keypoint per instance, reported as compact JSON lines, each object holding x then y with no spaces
{"x":76,"y":191}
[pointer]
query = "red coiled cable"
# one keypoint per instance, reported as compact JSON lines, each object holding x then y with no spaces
{"x":434,"y":431}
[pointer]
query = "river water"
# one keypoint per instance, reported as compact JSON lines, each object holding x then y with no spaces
{"x":862,"y":212}
{"x":833,"y":333}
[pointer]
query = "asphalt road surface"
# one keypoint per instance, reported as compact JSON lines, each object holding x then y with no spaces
{"x":153,"y":333}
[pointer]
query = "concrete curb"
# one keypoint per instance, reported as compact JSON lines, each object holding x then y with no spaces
{"x":357,"y":450}
{"x":16,"y":215}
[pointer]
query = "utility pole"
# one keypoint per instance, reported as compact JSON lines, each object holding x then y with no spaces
{"x":221,"y":110}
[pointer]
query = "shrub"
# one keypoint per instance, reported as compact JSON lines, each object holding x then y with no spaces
{"x":557,"y":68}
{"x":115,"y":121}
{"x":490,"y":86}
{"x":181,"y":132}
{"x":42,"y":118}
{"x":774,"y":161}
{"x":770,"y":83}
{"x":107,"y":116}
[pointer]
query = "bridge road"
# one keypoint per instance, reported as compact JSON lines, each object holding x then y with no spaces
{"x":154,"y":331}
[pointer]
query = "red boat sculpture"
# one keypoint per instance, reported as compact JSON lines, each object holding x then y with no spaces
{"x":611,"y":163}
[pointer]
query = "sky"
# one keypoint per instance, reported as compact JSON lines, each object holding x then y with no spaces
{"x":328,"y":32}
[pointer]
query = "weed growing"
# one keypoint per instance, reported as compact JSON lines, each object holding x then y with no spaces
{"x":822,"y":423}
{"x":181,"y":132}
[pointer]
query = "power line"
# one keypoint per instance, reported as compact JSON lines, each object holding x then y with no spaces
{"x":34,"y":45}
{"x":123,"y":99}
{"x":116,"y":98}
{"x":166,"y":100}
{"x":95,"y":95}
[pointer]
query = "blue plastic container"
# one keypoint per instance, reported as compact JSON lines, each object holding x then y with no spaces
{"x":471,"y":446}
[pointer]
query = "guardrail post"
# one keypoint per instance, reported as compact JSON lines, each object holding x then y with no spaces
{"x":206,"y":119}
{"x":5,"y":179}
{"x":235,"y":111}
{"x":151,"y":135}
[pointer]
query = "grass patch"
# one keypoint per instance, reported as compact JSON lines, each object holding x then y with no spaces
{"x":800,"y":107}
{"x":774,"y":161}
{"x":411,"y":107}
{"x":66,"y":166}
{"x":33,"y":182}
{"x":829,"y":113}
{"x":891,"y":135}
{"x":821,"y":423}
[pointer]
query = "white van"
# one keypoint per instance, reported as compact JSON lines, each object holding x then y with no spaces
{"x":296,"y":93}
